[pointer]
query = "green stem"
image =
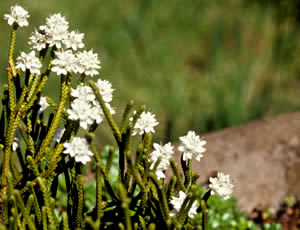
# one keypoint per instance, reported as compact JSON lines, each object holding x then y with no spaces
{"x":204,"y":215}
{"x":78,"y":183}
{"x":12,"y":45}
{"x":110,"y":120}
{"x":12,"y":126}
{"x":125,"y":205}
{"x":60,"y":108}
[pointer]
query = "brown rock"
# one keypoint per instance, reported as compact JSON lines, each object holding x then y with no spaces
{"x":262,"y":157}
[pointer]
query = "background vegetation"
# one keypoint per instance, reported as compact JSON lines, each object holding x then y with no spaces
{"x":201,"y":65}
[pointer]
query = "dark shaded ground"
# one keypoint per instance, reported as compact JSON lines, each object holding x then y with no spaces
{"x":288,"y":216}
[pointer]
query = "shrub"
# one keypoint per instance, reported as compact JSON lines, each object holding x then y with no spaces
{"x":46,"y":145}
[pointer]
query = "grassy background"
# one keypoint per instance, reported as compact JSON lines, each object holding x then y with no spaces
{"x":201,"y":65}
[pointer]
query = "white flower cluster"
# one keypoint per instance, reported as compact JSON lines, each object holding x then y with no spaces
{"x":79,"y":149}
{"x":192,"y":146}
{"x":145,"y":124}
{"x":85,"y":108}
{"x":29,"y":62}
{"x":17,"y":15}
{"x":165,"y":152}
{"x":221,"y":185}
{"x":177,"y":203}
{"x":56,"y":34}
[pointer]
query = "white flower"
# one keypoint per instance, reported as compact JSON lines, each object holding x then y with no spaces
{"x":74,"y":40}
{"x":83,"y":92}
{"x":58,"y":135}
{"x":97,"y":114}
{"x":105,"y":90}
{"x":38,"y":39}
{"x":29,"y":61}
{"x":165,"y":152}
{"x":43,"y":103}
{"x":64,"y":62}
{"x":88,"y":63}
{"x":82,"y":111}
{"x":191,"y":145}
{"x":17,"y":15}
{"x":221,"y":185}
{"x":177,"y":203}
{"x":79,"y":149}
{"x":56,"y":30}
{"x":15,"y":144}
{"x":145,"y":124}
{"x":57,"y":20}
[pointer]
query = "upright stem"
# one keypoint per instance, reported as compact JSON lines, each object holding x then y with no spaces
{"x":12,"y":126}
{"x":12,"y":45}
{"x":65,"y":86}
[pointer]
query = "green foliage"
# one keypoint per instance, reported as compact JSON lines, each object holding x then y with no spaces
{"x":224,"y":215}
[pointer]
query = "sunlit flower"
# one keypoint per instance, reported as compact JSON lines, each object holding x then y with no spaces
{"x":191,"y":145}
{"x":165,"y":152}
{"x":83,"y":111}
{"x":29,"y":61}
{"x":38,"y":38}
{"x":57,"y":20}
{"x":105,"y":90}
{"x":17,"y":15}
{"x":97,"y":114}
{"x":177,"y":203}
{"x":221,"y":185}
{"x":83,"y":92}
{"x":88,"y":63}
{"x":145,"y":124}
{"x":64,"y":62}
{"x":79,"y":149}
{"x":43,"y":103}
{"x":74,"y":40}
{"x":56,"y":30}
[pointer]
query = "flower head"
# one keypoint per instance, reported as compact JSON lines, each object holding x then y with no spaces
{"x":56,"y":30}
{"x":83,"y":111}
{"x":64,"y":62}
{"x":221,"y":185}
{"x":177,"y":203}
{"x":88,"y":63}
{"x":38,"y":39}
{"x":145,"y":124}
{"x":105,"y":89}
{"x":83,"y":92}
{"x":165,"y":152}
{"x":191,"y":145}
{"x":17,"y":15}
{"x":74,"y":41}
{"x":30,"y":62}
{"x":79,"y":149}
{"x":43,"y":103}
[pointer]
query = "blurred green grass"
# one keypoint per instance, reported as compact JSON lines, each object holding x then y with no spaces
{"x":201,"y":65}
